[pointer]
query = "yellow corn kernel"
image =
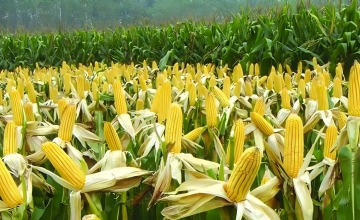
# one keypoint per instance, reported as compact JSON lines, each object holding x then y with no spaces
{"x":277,"y":83}
{"x":285,"y":99}
{"x":29,"y":113}
{"x":287,"y":80}
{"x":194,"y":134}
{"x":251,"y":69}
{"x":173,"y":129}
{"x":192,"y":94}
{"x":237,"y":89}
{"x":226,"y":87}
{"x":243,"y":175}
{"x":301,"y":88}
{"x":224,"y":101}
{"x":16,"y":107}
{"x":105,"y":88}
{"x":330,"y":139}
{"x":164,"y":101}
{"x":64,"y":165}
{"x":139,"y":104}
{"x":270,"y":82}
{"x":260,"y":106}
{"x":111,"y":137}
{"x":354,"y":90}
{"x":188,"y":82}
{"x":67,"y":83}
{"x":120,"y":102}
{"x":260,"y":122}
{"x":61,"y":106}
{"x":211,"y":110}
{"x":307,"y":76}
{"x":239,"y":138}
{"x":293,"y":145}
{"x":257,"y":69}
{"x":20,"y":86}
{"x":95,"y":91}
{"x":248,"y":88}
{"x":323,"y":103}
{"x":10,"y":146}
{"x":31,"y":92}
{"x":8,"y":189}
{"x":67,"y":123}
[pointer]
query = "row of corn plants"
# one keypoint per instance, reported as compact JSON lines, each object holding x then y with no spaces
{"x":204,"y":141}
{"x":284,"y":35}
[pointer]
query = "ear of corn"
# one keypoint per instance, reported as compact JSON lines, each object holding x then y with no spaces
{"x":243,"y":175}
{"x":313,"y":90}
{"x":248,"y":88}
{"x":330,"y":139}
{"x":239,"y":138}
{"x":260,"y":122}
{"x":211,"y":110}
{"x":111,"y":137}
{"x":173,"y":129}
{"x":293,"y":145}
{"x":257,"y":69}
{"x":20,"y":86}
{"x":8,"y":189}
{"x":301,"y":88}
{"x":337,"y":92}
{"x":29,"y":113}
{"x":66,"y":167}
{"x":164,"y":101}
{"x":341,"y":119}
{"x":120,"y":102}
{"x":270,"y":82}
{"x":277,"y":83}
{"x":260,"y":106}
{"x":287,"y":79}
{"x":95,"y":91}
{"x":67,"y":123}
{"x":80,"y":86}
{"x":226,"y":87}
{"x":237,"y":89}
{"x":31,"y":92}
{"x":323,"y":103}
{"x":194,"y":134}
{"x":307,"y":76}
{"x":192,"y":93}
{"x":251,"y":69}
{"x":285,"y":99}
{"x":67,"y":83}
{"x":16,"y":107}
{"x":224,"y":101}
{"x":354,"y":90}
{"x":9,"y":146}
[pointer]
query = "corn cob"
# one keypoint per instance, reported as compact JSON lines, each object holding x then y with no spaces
{"x":135,"y":85}
{"x":226,"y":87}
{"x":237,"y":73}
{"x":277,"y":83}
{"x":270,"y":82}
{"x":192,"y":93}
{"x":288,"y":69}
{"x":9,"y":146}
{"x":224,"y":101}
{"x":164,"y":101}
{"x":31,"y":92}
{"x":139,"y":104}
{"x":326,"y":78}
{"x":120,"y":102}
{"x":111,"y":137}
{"x":287,"y":80}
{"x":251,"y":69}
{"x":307,"y":76}
{"x":243,"y":175}
{"x":341,"y":119}
{"x":159,"y":80}
{"x":297,"y":77}
{"x":330,"y":139}
{"x":280,"y":68}
{"x":285,"y":99}
{"x":65,"y":166}
{"x":239,"y":138}
{"x":237,"y":89}
{"x":29,"y":113}
{"x":61,"y":106}
{"x":260,"y":106}
{"x":95,"y":91}
{"x":339,"y":71}
{"x":211,"y":110}
{"x":16,"y":107}
{"x":293,"y":145}
{"x":260,"y":122}
{"x":301,"y":88}
{"x":313,"y":90}
{"x":8,"y":189}
{"x":20,"y":86}
{"x":323,"y":103}
{"x":354,"y":90}
{"x":212,"y":82}
{"x":67,"y":123}
{"x":67,"y":83}
{"x":248,"y":88}
{"x":262,"y":80}
{"x":257,"y":69}
{"x":1,"y":97}
{"x":173,"y":129}
{"x":194,"y":134}
{"x":202,"y":90}
{"x":142,"y":81}
{"x":337,"y":92}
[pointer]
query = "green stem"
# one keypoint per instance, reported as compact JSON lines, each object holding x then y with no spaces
{"x":124,"y":214}
{"x":23,"y":187}
{"x":92,"y":205}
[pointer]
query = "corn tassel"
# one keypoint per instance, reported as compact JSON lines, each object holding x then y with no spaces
{"x":120,"y":102}
{"x":16,"y":107}
{"x":239,"y":138}
{"x":224,"y":101}
{"x":293,"y":145}
{"x":260,"y":122}
{"x":194,"y":134}
{"x":173,"y":129}
{"x":67,"y":123}
{"x":211,"y":110}
{"x":330,"y":139}
{"x":65,"y":166}
{"x":111,"y":137}
{"x":8,"y":189}
{"x":29,"y":113}
{"x":260,"y":106}
{"x":285,"y":99}
{"x":354,"y":90}
{"x":9,"y":146}
{"x":243,"y":175}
